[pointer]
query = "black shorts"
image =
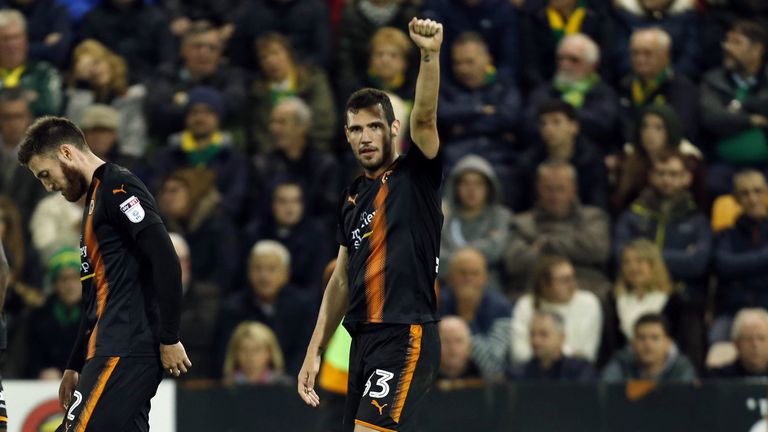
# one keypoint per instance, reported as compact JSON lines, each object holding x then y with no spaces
{"x":113,"y":395}
{"x":391,"y":369}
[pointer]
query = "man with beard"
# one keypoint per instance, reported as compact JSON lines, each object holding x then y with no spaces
{"x":389,"y":235}
{"x":734,"y":106}
{"x":131,"y":284}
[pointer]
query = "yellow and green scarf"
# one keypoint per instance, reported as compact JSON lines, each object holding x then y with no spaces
{"x":561,"y":27}
{"x":197,"y":157}
{"x":641,"y":92}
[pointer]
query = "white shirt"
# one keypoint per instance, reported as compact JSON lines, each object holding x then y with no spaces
{"x":630,"y":307}
{"x":583,"y":319}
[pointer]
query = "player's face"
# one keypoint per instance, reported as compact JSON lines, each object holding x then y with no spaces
{"x":58,"y":175}
{"x":546,"y":340}
{"x":371,"y":138}
{"x":636,"y":270}
{"x":67,"y":286}
{"x":651,"y":344}
{"x":253,"y":357}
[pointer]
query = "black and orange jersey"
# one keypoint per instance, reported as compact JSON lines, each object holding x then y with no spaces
{"x":391,"y":228}
{"x":120,"y":303}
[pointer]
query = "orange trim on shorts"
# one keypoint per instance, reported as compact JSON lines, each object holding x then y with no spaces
{"x":99,"y":273}
{"x":375,"y":265}
{"x":95,"y":395}
{"x":3,"y":419}
{"x":373,"y":426}
{"x":411,"y":358}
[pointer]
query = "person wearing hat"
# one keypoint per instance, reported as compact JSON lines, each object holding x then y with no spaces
{"x":202,"y":144}
{"x":100,"y":124}
{"x":53,"y":327}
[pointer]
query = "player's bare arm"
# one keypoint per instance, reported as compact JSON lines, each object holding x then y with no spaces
{"x":428,"y":36}
{"x":332,"y":310}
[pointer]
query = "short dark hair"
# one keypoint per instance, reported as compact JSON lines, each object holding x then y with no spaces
{"x":47,"y":134}
{"x":367,"y":98}
{"x":653,"y":318}
{"x":667,"y":155}
{"x":554,"y":106}
{"x":753,"y":31}
{"x":541,"y":275}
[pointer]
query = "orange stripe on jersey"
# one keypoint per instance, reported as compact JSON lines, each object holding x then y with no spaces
{"x":95,"y":395}
{"x":373,"y":426}
{"x":411,"y":358}
{"x":374,"y":267}
{"x":99,"y":274}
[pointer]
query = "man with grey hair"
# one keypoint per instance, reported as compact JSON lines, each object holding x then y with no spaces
{"x":577,"y":83}
{"x":39,"y":80}
{"x":268,"y":299}
{"x":294,"y":156}
{"x":750,"y":335}
{"x":653,"y":81}
{"x":560,"y":224}
{"x":549,"y":363}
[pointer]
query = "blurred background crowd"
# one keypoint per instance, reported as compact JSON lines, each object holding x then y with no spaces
{"x":605,"y":195}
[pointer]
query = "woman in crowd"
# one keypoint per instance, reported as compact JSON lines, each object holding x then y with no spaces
{"x":101,"y":76}
{"x":645,"y":287}
{"x":253,"y":356}
{"x":658,"y":130}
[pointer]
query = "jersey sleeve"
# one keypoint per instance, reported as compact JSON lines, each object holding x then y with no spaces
{"x":431,"y":170}
{"x":130,"y":205}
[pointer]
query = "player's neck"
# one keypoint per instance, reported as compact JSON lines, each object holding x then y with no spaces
{"x":382,"y":169}
{"x":90,"y":164}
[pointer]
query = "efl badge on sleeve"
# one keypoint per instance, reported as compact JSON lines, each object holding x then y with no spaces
{"x":132,"y":209}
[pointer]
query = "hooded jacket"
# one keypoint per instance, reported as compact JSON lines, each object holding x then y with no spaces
{"x":487,"y":233}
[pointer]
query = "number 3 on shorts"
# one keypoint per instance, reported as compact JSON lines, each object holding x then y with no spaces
{"x":384,"y":376}
{"x":78,"y":399}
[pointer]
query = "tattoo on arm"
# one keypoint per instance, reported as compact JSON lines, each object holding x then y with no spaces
{"x":426,"y":58}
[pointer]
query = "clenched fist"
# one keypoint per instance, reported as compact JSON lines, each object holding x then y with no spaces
{"x":426,"y":34}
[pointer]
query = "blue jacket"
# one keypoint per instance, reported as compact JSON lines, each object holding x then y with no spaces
{"x":460,"y":112}
{"x":565,"y":369}
{"x":682,"y":234}
{"x":741,"y":262}
{"x":495,"y":20}
{"x":492,"y":307}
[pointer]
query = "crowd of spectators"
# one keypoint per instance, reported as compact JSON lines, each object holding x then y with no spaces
{"x":605,"y":162}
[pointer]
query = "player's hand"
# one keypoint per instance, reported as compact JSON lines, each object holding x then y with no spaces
{"x":426,"y":34}
{"x":67,"y":387}
{"x":307,"y":375}
{"x":174,"y":359}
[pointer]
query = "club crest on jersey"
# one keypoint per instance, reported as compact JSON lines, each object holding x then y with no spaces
{"x":132,"y":209}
